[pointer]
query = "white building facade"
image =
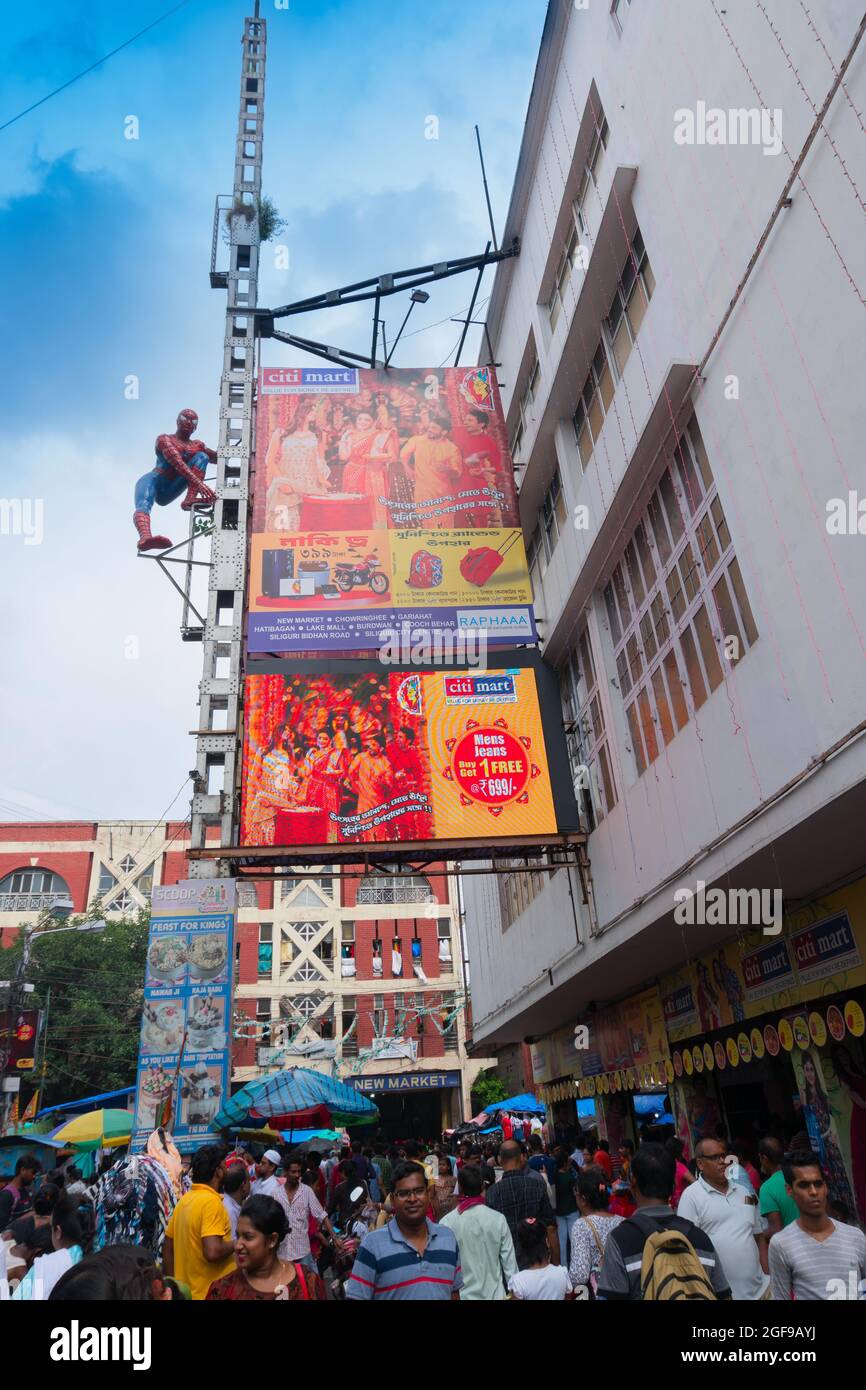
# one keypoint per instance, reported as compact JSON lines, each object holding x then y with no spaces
{"x":678,"y":341}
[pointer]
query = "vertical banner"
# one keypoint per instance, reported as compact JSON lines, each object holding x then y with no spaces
{"x":184,"y":1059}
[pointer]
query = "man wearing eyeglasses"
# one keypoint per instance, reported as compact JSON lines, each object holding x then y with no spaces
{"x":729,"y":1214}
{"x":410,"y":1259}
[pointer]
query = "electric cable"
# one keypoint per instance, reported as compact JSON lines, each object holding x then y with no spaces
{"x":78,"y":76}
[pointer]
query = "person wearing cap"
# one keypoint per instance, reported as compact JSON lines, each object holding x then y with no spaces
{"x":298,"y":1201}
{"x":266,"y":1183}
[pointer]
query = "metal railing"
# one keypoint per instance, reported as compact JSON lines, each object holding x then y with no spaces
{"x":28,"y":902}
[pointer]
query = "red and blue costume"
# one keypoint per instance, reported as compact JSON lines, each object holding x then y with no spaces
{"x":181,"y":464}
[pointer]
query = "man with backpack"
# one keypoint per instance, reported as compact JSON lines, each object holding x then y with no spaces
{"x":656,"y":1254}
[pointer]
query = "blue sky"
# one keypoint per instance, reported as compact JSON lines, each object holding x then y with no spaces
{"x":106,"y":242}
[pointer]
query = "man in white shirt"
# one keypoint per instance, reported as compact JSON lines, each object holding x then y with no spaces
{"x":729,"y":1215}
{"x":266,"y":1183}
{"x":236,"y":1190}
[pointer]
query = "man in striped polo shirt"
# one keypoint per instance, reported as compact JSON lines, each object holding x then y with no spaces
{"x":411,"y":1257}
{"x":815,"y":1257}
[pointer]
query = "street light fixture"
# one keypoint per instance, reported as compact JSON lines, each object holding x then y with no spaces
{"x":418,"y":297}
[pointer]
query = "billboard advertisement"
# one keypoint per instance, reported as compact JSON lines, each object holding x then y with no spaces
{"x":394,"y":757}
{"x":19,"y":1029}
{"x":822,"y":951}
{"x":382,"y":498}
{"x":184,"y":1060}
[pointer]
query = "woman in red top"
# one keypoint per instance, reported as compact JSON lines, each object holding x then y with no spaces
{"x":261,"y":1276}
{"x":601,"y":1158}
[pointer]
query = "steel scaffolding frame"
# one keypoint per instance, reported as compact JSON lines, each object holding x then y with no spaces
{"x":222,"y":639}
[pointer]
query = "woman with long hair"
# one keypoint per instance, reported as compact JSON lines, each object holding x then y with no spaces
{"x":277,"y":787}
{"x":368,"y":450}
{"x":853,"y":1079}
{"x":261,"y":1276}
{"x":294,"y":469}
{"x":819,"y":1124}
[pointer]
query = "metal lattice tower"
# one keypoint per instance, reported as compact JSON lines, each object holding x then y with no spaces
{"x":220,"y":689}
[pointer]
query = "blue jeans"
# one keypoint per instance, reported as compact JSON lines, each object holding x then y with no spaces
{"x":563,"y":1228}
{"x":163,"y":488}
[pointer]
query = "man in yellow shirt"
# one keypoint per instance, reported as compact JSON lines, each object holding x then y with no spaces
{"x":437,"y":466}
{"x":198,"y":1239}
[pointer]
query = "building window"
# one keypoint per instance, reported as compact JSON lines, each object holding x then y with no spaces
{"x":587,"y":193}
{"x":525,"y":412}
{"x":449,"y":1020}
{"x":674,"y":601}
{"x":109,"y":880}
{"x":349,"y":1041}
{"x":552,"y":518}
{"x":562,"y":279}
{"x":300,"y":1008}
{"x":310,"y":891}
{"x":443,"y":933}
{"x":36,"y":888}
{"x":266,"y":950}
{"x":630,"y":300}
{"x":263,"y":1020}
{"x":386,"y":890}
{"x":518,"y":887}
{"x":380,"y":1016}
{"x":594,"y":403}
{"x":586,"y":735}
{"x":347,"y":951}
{"x":307,"y":930}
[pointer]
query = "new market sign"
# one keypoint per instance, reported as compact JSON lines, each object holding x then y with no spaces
{"x":408,"y":1081}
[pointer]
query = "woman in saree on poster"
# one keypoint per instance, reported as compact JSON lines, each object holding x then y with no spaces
{"x":820,"y":1126}
{"x":853,"y":1080}
{"x":368,"y":449}
{"x":295,"y":469}
{"x":279,"y":786}
{"x":328,"y":766}
{"x":482,"y":464}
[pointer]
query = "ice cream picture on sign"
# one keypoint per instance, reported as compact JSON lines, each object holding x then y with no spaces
{"x":491,"y":766}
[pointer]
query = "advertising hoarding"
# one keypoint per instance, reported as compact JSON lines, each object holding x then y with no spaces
{"x":822,"y":951}
{"x":19,"y":1029}
{"x":382,"y":498}
{"x":184,"y":1061}
{"x":394,"y":757}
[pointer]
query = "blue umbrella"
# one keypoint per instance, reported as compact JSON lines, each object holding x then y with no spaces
{"x":524,"y":1105}
{"x":292,"y":1098}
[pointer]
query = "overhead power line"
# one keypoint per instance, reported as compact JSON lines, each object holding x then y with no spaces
{"x":78,"y":76}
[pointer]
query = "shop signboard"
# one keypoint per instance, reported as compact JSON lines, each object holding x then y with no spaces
{"x":405,"y":1081}
{"x":184,"y":1063}
{"x":19,"y":1029}
{"x":821,"y":952}
{"x":383,"y":498}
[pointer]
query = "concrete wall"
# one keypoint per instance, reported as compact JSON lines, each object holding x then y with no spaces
{"x":792,"y":441}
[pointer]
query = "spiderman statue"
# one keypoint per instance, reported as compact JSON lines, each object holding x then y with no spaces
{"x":180,"y":463}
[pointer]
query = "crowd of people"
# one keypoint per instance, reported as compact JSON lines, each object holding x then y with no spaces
{"x":432,"y":1222}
